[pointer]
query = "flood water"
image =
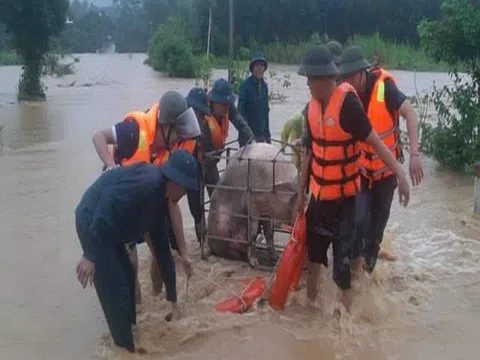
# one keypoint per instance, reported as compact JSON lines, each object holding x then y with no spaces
{"x":426,"y":305}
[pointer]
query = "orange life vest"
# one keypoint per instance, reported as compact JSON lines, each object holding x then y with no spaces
{"x":385,"y":125}
{"x":335,"y":167}
{"x":162,"y":157}
{"x":218,"y":132}
{"x":147,"y":125}
{"x":147,"y":122}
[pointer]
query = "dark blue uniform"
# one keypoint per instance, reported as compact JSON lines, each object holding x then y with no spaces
{"x":119,"y":206}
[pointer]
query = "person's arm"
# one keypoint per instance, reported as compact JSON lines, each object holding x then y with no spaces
{"x":305,"y":165}
{"x":385,"y":154}
{"x":410,"y":115}
{"x":354,"y":120}
{"x":305,"y":138}
{"x":242,"y":99}
{"x":102,"y":223}
{"x":124,"y":135}
{"x":177,"y":226}
{"x":268,"y":136}
{"x":244,"y":131}
{"x":101,"y":139}
{"x":397,"y":101}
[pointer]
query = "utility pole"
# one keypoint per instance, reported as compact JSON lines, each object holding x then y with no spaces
{"x":230,"y":52}
{"x":209,"y":30}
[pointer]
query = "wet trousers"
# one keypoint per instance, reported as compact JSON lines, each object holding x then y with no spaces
{"x":195,"y":198}
{"x":373,"y":211}
{"x":332,"y":222}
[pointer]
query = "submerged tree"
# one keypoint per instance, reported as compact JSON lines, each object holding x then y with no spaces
{"x":31,"y":24}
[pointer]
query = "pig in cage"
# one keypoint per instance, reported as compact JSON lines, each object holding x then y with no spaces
{"x":253,"y":203}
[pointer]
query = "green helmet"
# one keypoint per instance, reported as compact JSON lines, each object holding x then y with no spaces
{"x":353,"y":60}
{"x":318,"y":61}
{"x":175,"y":112}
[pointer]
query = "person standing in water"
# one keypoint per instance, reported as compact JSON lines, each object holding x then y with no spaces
{"x":222,"y":111}
{"x":149,"y":137}
{"x":197,"y":99}
{"x":119,"y":206}
{"x":384,"y":104}
{"x":336,"y":124}
{"x":253,"y":99}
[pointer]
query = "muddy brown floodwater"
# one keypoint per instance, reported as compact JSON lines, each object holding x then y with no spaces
{"x":424,"y":306}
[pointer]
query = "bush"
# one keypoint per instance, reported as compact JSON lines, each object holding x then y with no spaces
{"x":455,"y":141}
{"x":170,"y":50}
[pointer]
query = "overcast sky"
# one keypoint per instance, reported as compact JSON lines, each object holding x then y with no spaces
{"x":101,"y":2}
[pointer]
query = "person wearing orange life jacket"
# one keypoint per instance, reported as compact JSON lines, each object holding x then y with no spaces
{"x":149,"y":137}
{"x":384,"y":103}
{"x":216,"y":127}
{"x":336,"y":123}
{"x":197,"y":98}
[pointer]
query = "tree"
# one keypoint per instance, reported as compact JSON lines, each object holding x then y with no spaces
{"x":32,"y":23}
{"x":170,"y":50}
{"x":455,"y":39}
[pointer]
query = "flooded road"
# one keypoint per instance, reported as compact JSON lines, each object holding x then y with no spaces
{"x":424,"y":306}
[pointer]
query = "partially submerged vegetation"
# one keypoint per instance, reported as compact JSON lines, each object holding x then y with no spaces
{"x":8,"y":58}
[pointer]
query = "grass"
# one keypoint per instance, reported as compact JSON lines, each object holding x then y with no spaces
{"x":392,"y":55}
{"x":396,"y":55}
{"x":9,"y":58}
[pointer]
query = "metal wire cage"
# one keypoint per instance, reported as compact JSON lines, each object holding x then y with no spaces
{"x":256,"y":249}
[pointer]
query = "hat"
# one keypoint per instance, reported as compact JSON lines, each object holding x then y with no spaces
{"x":221,"y":92}
{"x":318,"y":61}
{"x":182,"y":169}
{"x":258,"y":56}
{"x":353,"y":60}
{"x":336,"y":50}
{"x":197,"y":98}
{"x":172,"y":104}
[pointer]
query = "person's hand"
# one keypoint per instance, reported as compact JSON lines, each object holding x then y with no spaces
{"x":416,"y":171}
{"x":187,"y":265}
{"x":85,"y":272}
{"x":403,"y":190}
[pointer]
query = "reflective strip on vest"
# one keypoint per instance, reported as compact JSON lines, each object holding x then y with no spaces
{"x":385,"y":125}
{"x":218,"y":132}
{"x":335,"y":168}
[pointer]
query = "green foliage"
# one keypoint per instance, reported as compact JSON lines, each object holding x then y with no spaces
{"x":240,"y":72}
{"x":170,"y":50}
{"x":396,"y":55}
{"x":9,"y":58}
{"x":244,"y":53}
{"x":455,"y":38}
{"x":277,"y":86}
{"x":53,"y":66}
{"x":206,"y":71}
{"x":32,"y":23}
{"x":455,"y":140}
{"x":90,"y":32}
